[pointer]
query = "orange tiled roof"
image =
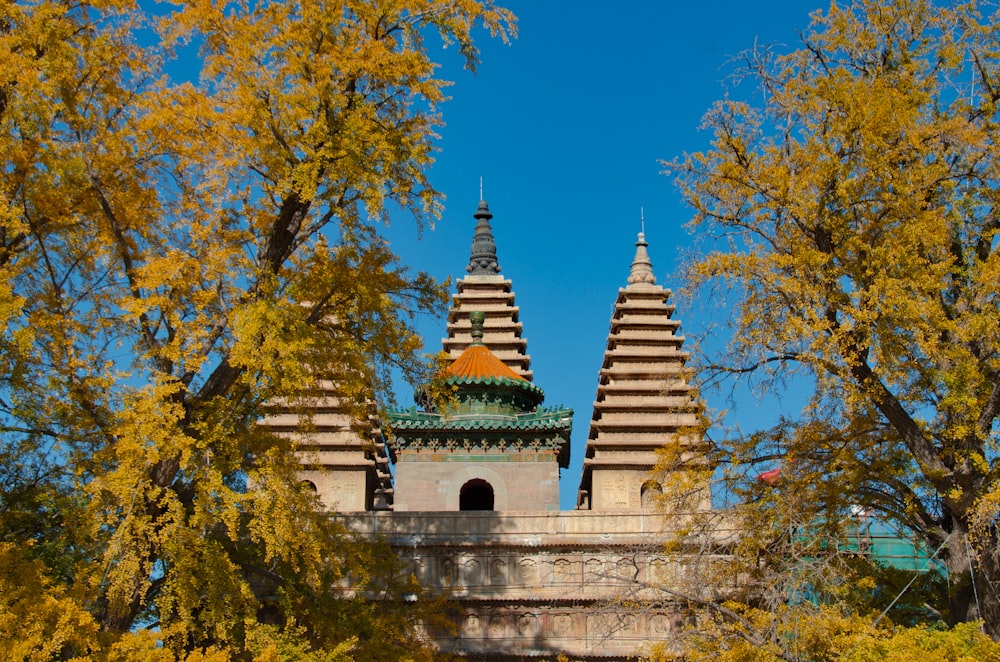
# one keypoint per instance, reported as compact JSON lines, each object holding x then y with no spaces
{"x":478,"y":362}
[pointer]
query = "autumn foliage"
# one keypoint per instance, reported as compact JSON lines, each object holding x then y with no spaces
{"x":190,"y":196}
{"x":850,"y":216}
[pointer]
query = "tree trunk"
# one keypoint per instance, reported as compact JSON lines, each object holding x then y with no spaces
{"x":971,"y":594}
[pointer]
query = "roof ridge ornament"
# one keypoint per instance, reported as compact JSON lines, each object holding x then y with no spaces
{"x":642,"y":268}
{"x":484,"y":249}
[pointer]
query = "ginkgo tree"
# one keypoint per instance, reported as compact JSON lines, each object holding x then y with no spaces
{"x":851,"y":215}
{"x":190,"y":200}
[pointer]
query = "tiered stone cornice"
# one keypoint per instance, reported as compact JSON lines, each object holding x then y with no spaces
{"x":341,"y":447}
{"x":493,"y":296}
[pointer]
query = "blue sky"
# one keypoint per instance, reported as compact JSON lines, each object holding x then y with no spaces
{"x":567,"y":127}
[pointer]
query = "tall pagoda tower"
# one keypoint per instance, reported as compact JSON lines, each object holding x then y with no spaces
{"x":644,"y":399}
{"x":491,"y":446}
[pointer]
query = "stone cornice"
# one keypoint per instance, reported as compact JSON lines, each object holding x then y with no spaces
{"x":477,"y":440}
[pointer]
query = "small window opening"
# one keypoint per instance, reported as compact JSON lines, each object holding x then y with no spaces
{"x":477,"y":494}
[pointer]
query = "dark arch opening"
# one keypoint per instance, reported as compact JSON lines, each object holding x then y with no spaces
{"x":650,"y":494}
{"x":477,"y":494}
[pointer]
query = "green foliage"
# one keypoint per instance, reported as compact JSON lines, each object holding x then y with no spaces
{"x":173,"y":255}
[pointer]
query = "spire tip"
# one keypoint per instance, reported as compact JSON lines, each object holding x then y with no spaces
{"x":483,"y":260}
{"x":642,"y":268}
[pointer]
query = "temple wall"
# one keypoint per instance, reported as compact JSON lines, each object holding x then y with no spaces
{"x":618,"y":489}
{"x":343,"y":490}
{"x":535,"y":584}
{"x":433,"y":481}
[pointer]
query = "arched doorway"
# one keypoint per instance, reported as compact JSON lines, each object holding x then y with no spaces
{"x":476,"y":494}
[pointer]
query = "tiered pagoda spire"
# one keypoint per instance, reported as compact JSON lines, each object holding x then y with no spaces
{"x":484,"y":289}
{"x":643,"y":398}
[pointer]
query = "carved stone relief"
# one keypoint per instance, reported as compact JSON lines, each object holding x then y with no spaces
{"x":527,"y":625}
{"x":562,"y":625}
{"x":619,"y":491}
{"x":419,"y":570}
{"x":528,"y":572}
{"x":498,"y":572}
{"x":657,"y":570}
{"x":625,"y":570}
{"x":472,"y":626}
{"x":659,"y":625}
{"x":448,"y":574}
{"x":498,"y":625}
{"x":472,"y":573}
{"x":629,"y":626}
{"x":565,"y":572}
{"x":597,"y":626}
{"x":593,"y":571}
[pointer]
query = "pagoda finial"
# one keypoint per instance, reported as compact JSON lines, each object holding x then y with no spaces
{"x":642,"y":268}
{"x":484,"y":249}
{"x":478,"y":319}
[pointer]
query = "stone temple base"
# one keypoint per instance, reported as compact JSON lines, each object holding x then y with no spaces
{"x":530,"y":585}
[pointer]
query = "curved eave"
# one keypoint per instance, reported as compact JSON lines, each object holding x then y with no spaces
{"x":521,"y":384}
{"x":561,"y":421}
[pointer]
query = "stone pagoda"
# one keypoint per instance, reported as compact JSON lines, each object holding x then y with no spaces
{"x":644,"y":399}
{"x":473,"y":508}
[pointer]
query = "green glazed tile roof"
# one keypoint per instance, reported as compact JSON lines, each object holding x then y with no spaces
{"x":492,"y":380}
{"x":543,"y":419}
